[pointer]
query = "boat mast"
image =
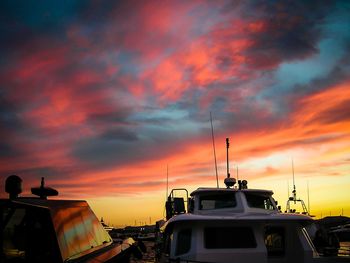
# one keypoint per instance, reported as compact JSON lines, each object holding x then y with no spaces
{"x":294,"y":190}
{"x":227,"y":165}
{"x":167,"y":181}
{"x":294,"y":199}
{"x":229,"y":182}
{"x":212,"y":136}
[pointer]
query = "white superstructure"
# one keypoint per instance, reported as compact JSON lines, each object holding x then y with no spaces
{"x":234,"y":225}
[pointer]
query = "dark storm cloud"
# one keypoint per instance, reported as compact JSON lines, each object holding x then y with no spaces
{"x":24,"y":22}
{"x":10,"y":126}
{"x":119,"y":134}
{"x":104,"y":152}
{"x":8,"y":114}
{"x":6,"y":150}
{"x":117,"y":147}
{"x":118,"y":116}
{"x":289,"y":30}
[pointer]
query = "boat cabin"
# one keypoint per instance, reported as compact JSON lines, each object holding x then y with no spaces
{"x":233,"y":225}
{"x":221,"y":200}
{"x":214,"y":200}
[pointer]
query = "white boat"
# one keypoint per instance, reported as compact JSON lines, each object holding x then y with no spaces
{"x":234,"y":225}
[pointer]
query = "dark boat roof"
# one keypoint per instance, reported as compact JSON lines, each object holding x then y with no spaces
{"x":222,"y":190}
{"x":45,"y":203}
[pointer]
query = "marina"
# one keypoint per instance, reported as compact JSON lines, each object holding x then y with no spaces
{"x":209,"y":225}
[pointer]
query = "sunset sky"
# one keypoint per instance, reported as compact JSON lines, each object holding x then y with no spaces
{"x":99,"y":97}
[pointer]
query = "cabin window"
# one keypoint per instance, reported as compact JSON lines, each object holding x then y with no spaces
{"x":259,"y":201}
{"x":275,"y":241}
{"x":13,"y":237}
{"x":27,"y":236}
{"x":229,"y":237}
{"x":217,"y":201}
{"x":183,"y":243}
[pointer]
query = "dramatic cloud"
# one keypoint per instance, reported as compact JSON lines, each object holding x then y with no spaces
{"x":100,"y":97}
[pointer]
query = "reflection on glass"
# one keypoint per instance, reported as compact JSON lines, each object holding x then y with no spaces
{"x":78,"y":230}
{"x":217,"y":201}
{"x":259,"y":201}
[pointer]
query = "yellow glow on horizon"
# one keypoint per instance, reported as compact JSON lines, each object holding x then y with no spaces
{"x":125,"y":211}
{"x":327,"y":194}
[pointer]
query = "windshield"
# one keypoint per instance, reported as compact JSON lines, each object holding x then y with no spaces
{"x":256,"y":200}
{"x":217,"y":201}
{"x":26,"y":236}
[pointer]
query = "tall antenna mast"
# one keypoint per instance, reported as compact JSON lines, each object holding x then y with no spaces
{"x":167,"y":180}
{"x":228,"y":165}
{"x":294,"y":190}
{"x":229,"y":182}
{"x":294,"y":197}
{"x":237,"y":172}
{"x":212,"y":136}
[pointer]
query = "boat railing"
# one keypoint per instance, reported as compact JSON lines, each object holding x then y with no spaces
{"x":175,"y":203}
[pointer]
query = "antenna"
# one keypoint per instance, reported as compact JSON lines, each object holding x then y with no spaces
{"x":167,"y":181}
{"x":212,"y":136}
{"x":294,"y":198}
{"x":237,"y":172}
{"x":229,"y":182}
{"x":228,"y":165}
{"x":294,"y":190}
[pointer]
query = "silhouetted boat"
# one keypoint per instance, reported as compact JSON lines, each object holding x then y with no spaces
{"x":54,"y":231}
{"x":235,"y":225}
{"x":225,"y":225}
